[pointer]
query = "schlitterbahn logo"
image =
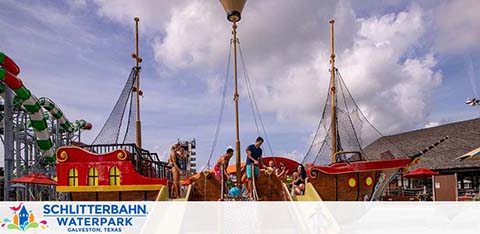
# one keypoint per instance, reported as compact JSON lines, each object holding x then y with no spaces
{"x":22,"y":219}
{"x":98,"y":217}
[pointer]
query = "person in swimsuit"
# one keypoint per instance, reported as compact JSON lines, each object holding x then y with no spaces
{"x":281,"y":171}
{"x":177,"y":153}
{"x":299,"y":180}
{"x":271,"y":165}
{"x":223,"y":160}
{"x":254,"y":157}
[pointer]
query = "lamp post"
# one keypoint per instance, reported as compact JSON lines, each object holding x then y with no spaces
{"x":234,"y":8}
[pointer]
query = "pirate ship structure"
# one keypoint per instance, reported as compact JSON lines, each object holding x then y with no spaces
{"x":206,"y":186}
{"x":351,"y":174}
{"x":109,"y":169}
{"x":112,"y":168}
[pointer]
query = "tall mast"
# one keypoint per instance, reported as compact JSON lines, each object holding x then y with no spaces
{"x":138,"y":60}
{"x":235,"y":98}
{"x":234,"y":8}
{"x":333,"y":127}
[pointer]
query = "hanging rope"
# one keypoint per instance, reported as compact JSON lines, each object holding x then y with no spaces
{"x":222,"y":108}
{"x":316,"y":133}
{"x":254,"y":186}
{"x":368,"y":121}
{"x":337,"y":73}
{"x":251,"y":93}
{"x":352,"y":126}
{"x":130,"y":119}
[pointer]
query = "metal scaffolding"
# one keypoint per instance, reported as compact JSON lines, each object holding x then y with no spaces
{"x":22,"y":154}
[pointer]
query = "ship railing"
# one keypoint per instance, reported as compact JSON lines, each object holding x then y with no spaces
{"x":348,"y":156}
{"x":145,"y":163}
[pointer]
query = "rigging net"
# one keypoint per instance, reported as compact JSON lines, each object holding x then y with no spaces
{"x":111,"y":130}
{"x":354,"y":131}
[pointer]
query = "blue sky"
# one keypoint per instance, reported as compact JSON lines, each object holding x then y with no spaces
{"x":408,"y":64}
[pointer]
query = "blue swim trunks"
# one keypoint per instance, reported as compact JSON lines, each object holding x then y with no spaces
{"x":249,"y":171}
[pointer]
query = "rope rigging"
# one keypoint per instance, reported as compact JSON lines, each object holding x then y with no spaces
{"x":110,"y":131}
{"x":253,"y":101}
{"x":129,"y":135}
{"x":222,"y":108}
{"x":365,"y":117}
{"x":352,"y":125}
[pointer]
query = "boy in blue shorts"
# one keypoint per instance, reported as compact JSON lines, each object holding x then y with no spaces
{"x":254,"y":157}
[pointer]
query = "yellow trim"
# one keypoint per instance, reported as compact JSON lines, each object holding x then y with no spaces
{"x":162,"y":194}
{"x":352,"y":182}
{"x":310,"y":194}
{"x":63,"y":157}
{"x":110,"y":188}
{"x":189,"y":191}
{"x":92,"y":176}
{"x":82,"y":149}
{"x":121,"y":156}
{"x":369,"y":180}
{"x":73,"y":177}
{"x":114,"y":176}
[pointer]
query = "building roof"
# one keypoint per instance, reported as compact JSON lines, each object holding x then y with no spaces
{"x":463,"y":136}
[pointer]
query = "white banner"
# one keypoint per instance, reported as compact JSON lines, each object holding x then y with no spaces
{"x":239,"y":217}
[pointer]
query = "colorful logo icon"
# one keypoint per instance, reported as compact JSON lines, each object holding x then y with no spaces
{"x":22,"y":220}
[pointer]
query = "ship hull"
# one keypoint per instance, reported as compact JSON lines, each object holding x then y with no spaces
{"x":112,"y":176}
{"x":207,"y":187}
{"x":356,"y":181}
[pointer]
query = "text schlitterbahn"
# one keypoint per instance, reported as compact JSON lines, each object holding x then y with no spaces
{"x":94,"y":217}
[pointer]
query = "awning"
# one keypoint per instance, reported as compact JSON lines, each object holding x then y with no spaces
{"x":36,"y":178}
{"x":420,"y":173}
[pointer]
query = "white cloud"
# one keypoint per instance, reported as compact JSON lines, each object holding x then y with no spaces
{"x":153,"y":14}
{"x":286,"y":47}
{"x":432,"y":124}
{"x":458,"y":25}
{"x":192,"y":39}
{"x":391,"y":90}
{"x":288,"y":58}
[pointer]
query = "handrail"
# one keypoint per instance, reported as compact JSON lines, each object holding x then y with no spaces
{"x":141,"y":159}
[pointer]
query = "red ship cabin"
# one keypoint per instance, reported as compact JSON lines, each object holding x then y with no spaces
{"x":119,"y":172}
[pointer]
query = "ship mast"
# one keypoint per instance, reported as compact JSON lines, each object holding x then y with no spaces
{"x":333,"y":127}
{"x":234,"y":8}
{"x":138,"y":60}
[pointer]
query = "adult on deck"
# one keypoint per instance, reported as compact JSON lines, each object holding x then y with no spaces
{"x":254,"y":160}
{"x":222,"y":164}
{"x":177,"y":153}
{"x":299,"y":180}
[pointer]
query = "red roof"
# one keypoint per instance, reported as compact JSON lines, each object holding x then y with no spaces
{"x":420,"y":173}
{"x":35,"y":178}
